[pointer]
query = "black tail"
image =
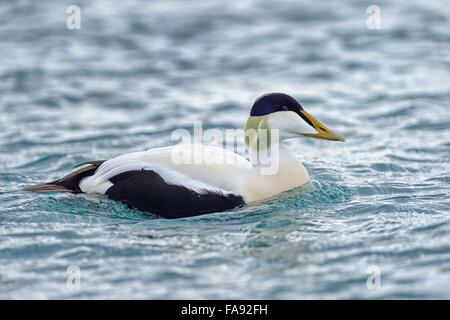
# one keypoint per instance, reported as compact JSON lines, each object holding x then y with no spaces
{"x":70,"y":182}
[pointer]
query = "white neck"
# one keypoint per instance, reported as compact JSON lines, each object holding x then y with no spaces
{"x":275,"y":170}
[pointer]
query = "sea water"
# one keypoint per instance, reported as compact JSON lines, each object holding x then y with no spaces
{"x":375,"y":220}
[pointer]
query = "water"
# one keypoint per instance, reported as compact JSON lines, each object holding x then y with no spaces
{"x":136,"y":71}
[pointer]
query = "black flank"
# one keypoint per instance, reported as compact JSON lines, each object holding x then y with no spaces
{"x":147,"y":191}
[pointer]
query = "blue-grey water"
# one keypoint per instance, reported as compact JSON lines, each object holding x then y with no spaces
{"x":377,"y":224}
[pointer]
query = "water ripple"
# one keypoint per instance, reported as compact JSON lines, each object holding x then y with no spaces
{"x":136,"y":71}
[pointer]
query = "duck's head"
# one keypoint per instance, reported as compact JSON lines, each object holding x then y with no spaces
{"x":281,"y":111}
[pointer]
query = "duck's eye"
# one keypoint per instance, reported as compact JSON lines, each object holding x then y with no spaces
{"x":284,"y":108}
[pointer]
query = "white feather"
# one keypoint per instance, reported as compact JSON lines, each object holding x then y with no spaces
{"x":290,"y":124}
{"x":157,"y":160}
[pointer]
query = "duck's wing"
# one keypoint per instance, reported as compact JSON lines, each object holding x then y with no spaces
{"x":195,"y":166}
{"x":172,"y":182}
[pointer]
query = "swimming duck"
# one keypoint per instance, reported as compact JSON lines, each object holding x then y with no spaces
{"x":156,"y":182}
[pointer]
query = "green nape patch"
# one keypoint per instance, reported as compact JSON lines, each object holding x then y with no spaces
{"x":257,"y":133}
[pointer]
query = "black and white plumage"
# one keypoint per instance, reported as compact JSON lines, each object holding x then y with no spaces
{"x":152,"y":188}
{"x":148,"y":191}
{"x":153,"y":182}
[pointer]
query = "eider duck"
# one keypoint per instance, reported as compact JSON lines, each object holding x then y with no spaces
{"x":156,"y":182}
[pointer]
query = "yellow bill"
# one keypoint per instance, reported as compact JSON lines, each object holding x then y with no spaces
{"x":323,"y":132}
